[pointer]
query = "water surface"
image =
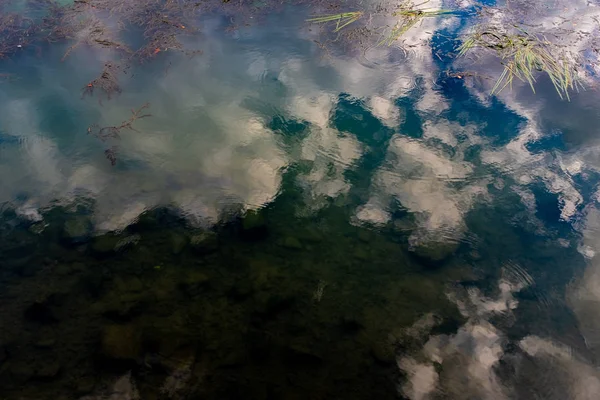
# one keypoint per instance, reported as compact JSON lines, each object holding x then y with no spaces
{"x":301,"y":214}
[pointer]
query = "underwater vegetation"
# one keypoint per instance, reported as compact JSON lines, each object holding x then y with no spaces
{"x":113,"y":132}
{"x":341,"y":20}
{"x":407,"y":18}
{"x":406,"y":13}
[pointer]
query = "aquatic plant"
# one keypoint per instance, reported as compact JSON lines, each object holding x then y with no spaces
{"x":341,"y":20}
{"x":409,"y":15}
{"x":319,"y":291}
{"x":161,"y":31}
{"x":524,"y":55}
{"x":16,"y":31}
{"x":95,"y":32}
{"x":113,"y":132}
{"x":111,"y":155}
{"x":107,"y":82}
{"x":85,"y":23}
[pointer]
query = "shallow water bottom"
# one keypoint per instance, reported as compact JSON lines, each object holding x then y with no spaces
{"x":260,"y":306}
{"x":255,"y":308}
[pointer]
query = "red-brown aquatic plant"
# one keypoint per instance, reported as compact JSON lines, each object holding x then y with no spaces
{"x":114,"y":132}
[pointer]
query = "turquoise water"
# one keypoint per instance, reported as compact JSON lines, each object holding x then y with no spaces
{"x":284,"y":211}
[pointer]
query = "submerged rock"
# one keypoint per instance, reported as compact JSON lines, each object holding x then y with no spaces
{"x":205,"y":242}
{"x":77,"y":230}
{"x":434,"y":251}
{"x":22,"y":265}
{"x":37,"y":228}
{"x":291,"y":242}
{"x":178,"y":243}
{"x":123,"y":389}
{"x":131,"y":285}
{"x":127,"y":242}
{"x":41,"y":311}
{"x":3,"y":355}
{"x":64,"y":269}
{"x":107,"y":244}
{"x":17,"y":250}
{"x":45,"y":343}
{"x":299,"y":353}
{"x":383,"y":352}
{"x":178,"y":381}
{"x":85,"y":385}
{"x":121,"y":342}
{"x":45,"y":339}
{"x":104,"y":245}
{"x":122,"y":306}
{"x":194,"y":282}
{"x":47,"y":370}
{"x":253,"y":220}
{"x":254,"y":225}
{"x":309,"y":235}
{"x":21,"y":371}
{"x":361,"y":253}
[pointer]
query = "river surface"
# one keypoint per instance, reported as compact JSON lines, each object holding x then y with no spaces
{"x":223,"y":200}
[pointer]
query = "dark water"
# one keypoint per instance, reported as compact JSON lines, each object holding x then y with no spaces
{"x":304,"y":214}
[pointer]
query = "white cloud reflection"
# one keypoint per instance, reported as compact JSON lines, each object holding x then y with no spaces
{"x":420,"y":178}
{"x":206,"y":144}
{"x":470,"y":363}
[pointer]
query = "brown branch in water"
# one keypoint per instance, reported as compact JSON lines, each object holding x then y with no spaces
{"x":111,"y":155}
{"x":64,"y":22}
{"x":161,"y":31}
{"x":161,"y":21}
{"x":159,"y":42}
{"x":113,"y":132}
{"x":16,"y":31}
{"x":107,"y":82}
{"x":94,"y":33}
{"x":69,"y":50}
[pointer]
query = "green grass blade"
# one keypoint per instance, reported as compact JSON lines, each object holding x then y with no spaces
{"x":342,"y":20}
